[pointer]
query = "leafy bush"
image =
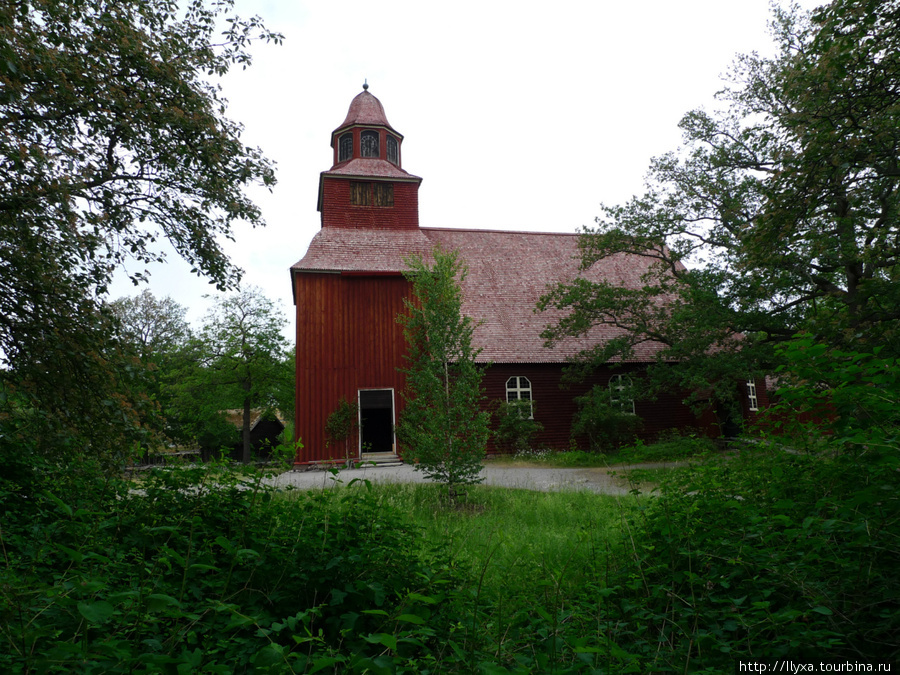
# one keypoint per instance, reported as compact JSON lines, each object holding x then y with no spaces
{"x":603,"y":421}
{"x":516,"y":426}
{"x":781,"y":551}
{"x":666,"y":450}
{"x":854,"y":396}
{"x":769,"y":555}
{"x":341,"y":423}
{"x":200,"y":571}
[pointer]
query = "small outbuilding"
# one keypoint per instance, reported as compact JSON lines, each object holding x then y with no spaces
{"x":266,"y":428}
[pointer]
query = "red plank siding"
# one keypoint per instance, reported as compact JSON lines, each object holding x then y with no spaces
{"x":555,"y":406}
{"x":338,"y":212}
{"x":347,"y":339}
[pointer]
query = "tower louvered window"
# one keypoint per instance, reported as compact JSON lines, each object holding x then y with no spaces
{"x":384,"y":194}
{"x":345,"y":147}
{"x":393,"y":150}
{"x":361,"y":194}
{"x":371,"y":194}
{"x":368,"y":144}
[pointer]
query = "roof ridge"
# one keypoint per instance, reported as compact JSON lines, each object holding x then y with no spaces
{"x":496,"y":231}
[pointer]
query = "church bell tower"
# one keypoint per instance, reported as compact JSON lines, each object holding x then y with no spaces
{"x":367,"y":186}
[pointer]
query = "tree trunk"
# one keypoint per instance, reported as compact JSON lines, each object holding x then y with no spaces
{"x":245,"y":433}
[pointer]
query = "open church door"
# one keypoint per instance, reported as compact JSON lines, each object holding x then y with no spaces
{"x":376,"y":421}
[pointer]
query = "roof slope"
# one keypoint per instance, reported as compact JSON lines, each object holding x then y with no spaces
{"x":369,"y":167}
{"x":508,"y":273}
{"x":365,"y":109}
{"x":351,"y":249}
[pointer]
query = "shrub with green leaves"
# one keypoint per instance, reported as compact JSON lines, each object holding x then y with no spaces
{"x":603,"y":421}
{"x":515,"y":426}
{"x":341,"y":423}
{"x":196,"y":570}
{"x":769,"y":555}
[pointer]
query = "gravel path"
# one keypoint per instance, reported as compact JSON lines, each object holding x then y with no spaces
{"x":527,"y":478}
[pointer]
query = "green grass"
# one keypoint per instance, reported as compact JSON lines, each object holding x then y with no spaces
{"x":519,"y":547}
{"x":673,"y":449}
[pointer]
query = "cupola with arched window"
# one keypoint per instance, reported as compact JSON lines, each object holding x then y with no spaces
{"x":367,"y":186}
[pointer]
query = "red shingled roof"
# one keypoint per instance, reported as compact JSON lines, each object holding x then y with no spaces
{"x":369,"y":167}
{"x":508,"y":272}
{"x":339,"y":249}
{"x":365,"y":109}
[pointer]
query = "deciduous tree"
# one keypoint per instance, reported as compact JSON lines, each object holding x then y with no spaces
{"x":442,"y":427}
{"x":156,"y":326}
{"x":241,"y":361}
{"x":113,"y":137}
{"x":778,"y":215}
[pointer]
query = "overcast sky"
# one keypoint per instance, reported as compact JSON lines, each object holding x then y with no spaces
{"x":517,"y":115}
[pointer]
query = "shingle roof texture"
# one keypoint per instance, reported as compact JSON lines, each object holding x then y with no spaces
{"x":368,"y":167}
{"x":365,"y":109}
{"x":508,"y":273}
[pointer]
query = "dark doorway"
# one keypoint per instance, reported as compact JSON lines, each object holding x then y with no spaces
{"x":376,"y":420}
{"x":729,"y":418}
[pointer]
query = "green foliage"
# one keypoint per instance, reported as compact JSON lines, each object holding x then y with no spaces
{"x":768,"y":555}
{"x":238,"y":360}
{"x":854,"y":395}
{"x":341,"y":422}
{"x":202,"y":571}
{"x":80,"y":394}
{"x":778,"y":215}
{"x":667,"y":449}
{"x":113,"y":138}
{"x":515,"y":426}
{"x":442,"y":427}
{"x":157,"y":327}
{"x":781,"y":551}
{"x":524,"y":561}
{"x":602,"y":419}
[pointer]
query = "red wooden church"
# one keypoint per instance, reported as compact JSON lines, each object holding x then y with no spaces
{"x":349,"y":288}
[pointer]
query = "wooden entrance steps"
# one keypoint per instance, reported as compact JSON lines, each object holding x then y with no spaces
{"x":379,"y":459}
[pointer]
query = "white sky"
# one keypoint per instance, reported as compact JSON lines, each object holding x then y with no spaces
{"x":517,"y":115}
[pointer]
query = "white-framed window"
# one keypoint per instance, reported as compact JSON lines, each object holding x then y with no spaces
{"x":751,"y":396}
{"x":518,"y":388}
{"x":620,"y":393}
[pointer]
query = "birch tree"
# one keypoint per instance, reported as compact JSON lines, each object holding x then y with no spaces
{"x":443,"y":426}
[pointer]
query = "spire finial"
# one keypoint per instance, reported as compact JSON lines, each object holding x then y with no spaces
{"x":366,"y":84}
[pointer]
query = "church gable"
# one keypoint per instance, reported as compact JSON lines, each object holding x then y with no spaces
{"x":349,"y":289}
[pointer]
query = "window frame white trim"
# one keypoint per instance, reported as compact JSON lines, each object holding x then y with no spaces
{"x":752,"y":396}
{"x":518,"y":389}
{"x":617,"y":384}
